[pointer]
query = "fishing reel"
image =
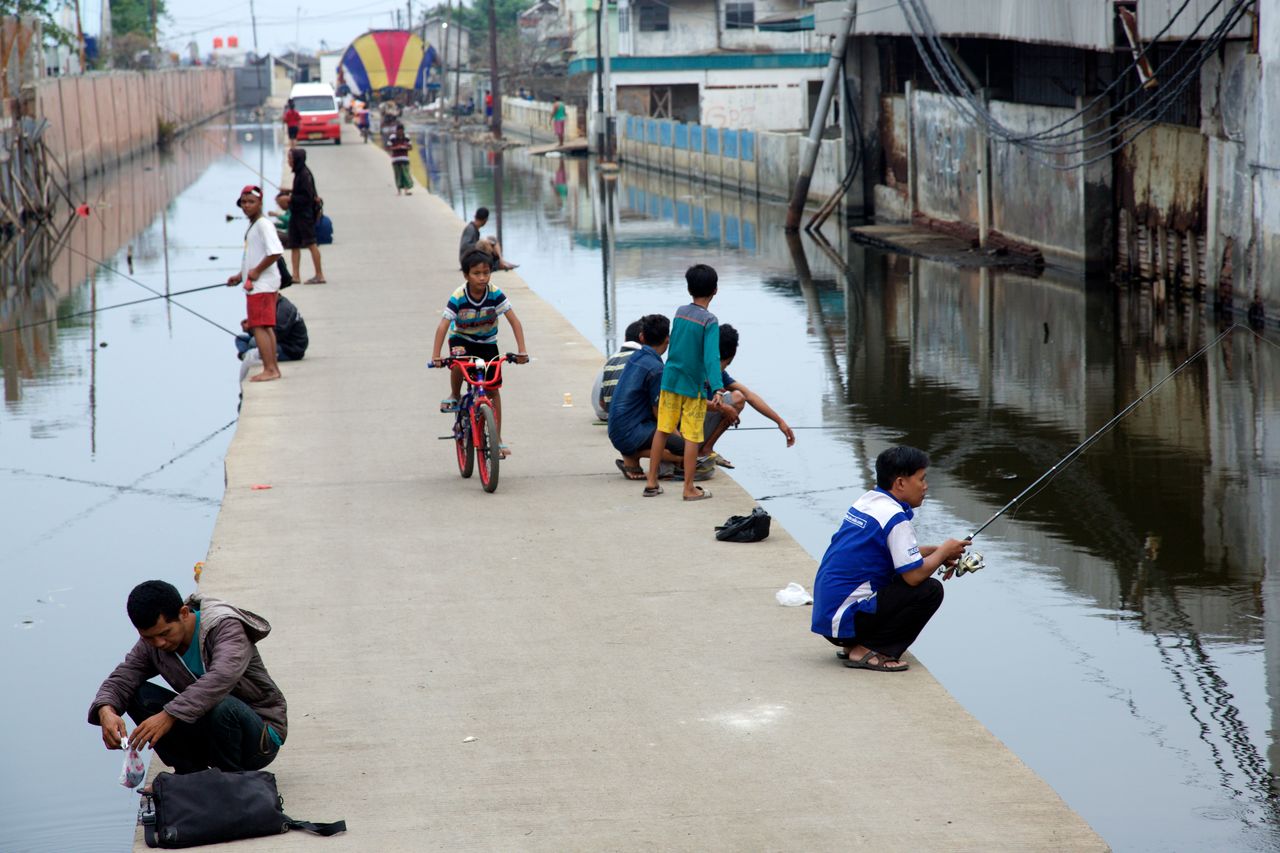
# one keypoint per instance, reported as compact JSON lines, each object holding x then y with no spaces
{"x":966,"y":565}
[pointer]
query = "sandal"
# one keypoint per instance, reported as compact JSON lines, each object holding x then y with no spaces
{"x":884,"y":663}
{"x":631,"y":472}
{"x":702,"y":495}
{"x":315,"y":279}
{"x":503,"y":451}
{"x":652,"y":492}
{"x":449,"y":404}
{"x":718,"y":460}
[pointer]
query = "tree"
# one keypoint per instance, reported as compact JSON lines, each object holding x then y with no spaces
{"x":43,"y":11}
{"x":134,"y":16}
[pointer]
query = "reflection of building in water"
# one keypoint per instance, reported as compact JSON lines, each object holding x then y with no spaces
{"x":122,"y":204}
{"x":1171,"y":515}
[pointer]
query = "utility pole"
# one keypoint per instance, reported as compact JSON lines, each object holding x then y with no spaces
{"x":610,"y":135}
{"x":457,"y":61}
{"x":80,"y":39}
{"x":602,"y":150}
{"x":444,"y":54}
{"x":811,"y":145}
{"x":253,"y":19}
{"x":494,"y":77}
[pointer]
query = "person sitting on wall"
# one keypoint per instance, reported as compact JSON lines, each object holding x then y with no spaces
{"x":472,"y":242}
{"x":633,"y":410}
{"x":291,"y":338}
{"x":607,"y":379}
{"x":737,"y":396}
{"x":227,"y":712}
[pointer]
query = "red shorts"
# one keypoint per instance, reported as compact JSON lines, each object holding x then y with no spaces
{"x":262,"y":309}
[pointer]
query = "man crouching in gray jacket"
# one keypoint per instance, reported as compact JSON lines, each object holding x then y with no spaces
{"x":227,"y":712}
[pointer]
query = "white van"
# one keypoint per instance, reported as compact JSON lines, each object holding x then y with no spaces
{"x":316,"y":103}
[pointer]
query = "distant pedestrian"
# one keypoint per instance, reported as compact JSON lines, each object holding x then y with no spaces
{"x":488,"y":104}
{"x":399,"y":148}
{"x":292,"y":120}
{"x":875,"y":590}
{"x":691,"y":375}
{"x":261,"y":280}
{"x":472,"y":242}
{"x":304,"y":210}
{"x":558,"y":116}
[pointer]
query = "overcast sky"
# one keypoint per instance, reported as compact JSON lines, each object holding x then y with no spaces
{"x":280,"y":25}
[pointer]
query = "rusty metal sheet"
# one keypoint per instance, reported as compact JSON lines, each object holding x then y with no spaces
{"x":893,"y":141}
{"x":1162,"y":178}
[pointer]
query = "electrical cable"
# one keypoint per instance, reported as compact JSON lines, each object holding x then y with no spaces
{"x":950,"y":82}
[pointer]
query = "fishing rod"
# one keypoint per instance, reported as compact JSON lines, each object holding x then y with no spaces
{"x":108,"y":308}
{"x":1084,"y":445}
{"x":112,"y":269}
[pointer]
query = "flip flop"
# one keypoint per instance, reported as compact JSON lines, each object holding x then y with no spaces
{"x":882,"y":666}
{"x":315,"y":280}
{"x":631,"y":472}
{"x":503,"y":451}
{"x":719,"y":460}
{"x":703,"y":495}
{"x":652,"y":492}
{"x":449,"y":404}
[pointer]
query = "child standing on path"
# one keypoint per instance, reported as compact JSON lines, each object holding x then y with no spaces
{"x":400,"y":146}
{"x":261,"y":280}
{"x":470,"y":320}
{"x":558,"y":115}
{"x":693,"y":363}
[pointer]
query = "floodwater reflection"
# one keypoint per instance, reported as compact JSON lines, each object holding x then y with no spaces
{"x":112,"y":434}
{"x":1124,"y":638}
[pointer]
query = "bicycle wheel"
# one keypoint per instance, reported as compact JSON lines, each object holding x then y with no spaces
{"x":487,"y":453}
{"x":462,"y":437}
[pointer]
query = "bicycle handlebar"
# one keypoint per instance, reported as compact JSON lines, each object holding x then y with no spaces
{"x":469,"y":363}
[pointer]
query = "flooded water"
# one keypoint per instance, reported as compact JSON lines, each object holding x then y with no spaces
{"x":112,"y":437}
{"x":1124,"y":639}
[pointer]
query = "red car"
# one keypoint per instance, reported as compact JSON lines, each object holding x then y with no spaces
{"x":319,"y":110}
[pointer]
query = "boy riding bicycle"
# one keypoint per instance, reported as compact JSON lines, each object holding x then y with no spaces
{"x":470,"y":320}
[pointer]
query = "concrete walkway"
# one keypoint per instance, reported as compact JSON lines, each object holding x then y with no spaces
{"x":629,"y":682}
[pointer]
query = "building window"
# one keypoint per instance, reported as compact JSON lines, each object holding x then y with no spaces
{"x":739,"y":16}
{"x":654,"y":17}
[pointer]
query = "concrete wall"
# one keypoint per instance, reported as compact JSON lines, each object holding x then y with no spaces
{"x":933,"y":159}
{"x":536,"y":116}
{"x":748,"y":98}
{"x":947,"y":159}
{"x":759,"y":162}
{"x":98,"y":119}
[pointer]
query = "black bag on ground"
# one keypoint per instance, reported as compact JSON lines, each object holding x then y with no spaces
{"x":745,"y":528}
{"x":213,"y":806}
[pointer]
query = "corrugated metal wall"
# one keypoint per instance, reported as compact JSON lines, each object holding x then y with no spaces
{"x":1075,"y":23}
{"x":1154,"y":14}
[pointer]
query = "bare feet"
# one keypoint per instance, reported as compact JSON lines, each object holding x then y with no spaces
{"x":506,"y":266}
{"x":265,"y":377}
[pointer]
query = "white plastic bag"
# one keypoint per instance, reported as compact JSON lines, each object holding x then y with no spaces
{"x":793,"y":596}
{"x":134,"y":770}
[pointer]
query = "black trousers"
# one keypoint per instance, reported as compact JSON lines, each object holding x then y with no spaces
{"x":902,"y":611}
{"x":230,"y":737}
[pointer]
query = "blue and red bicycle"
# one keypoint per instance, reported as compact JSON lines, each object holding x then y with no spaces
{"x":475,"y":426}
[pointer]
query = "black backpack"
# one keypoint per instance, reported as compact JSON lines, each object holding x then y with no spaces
{"x":745,"y":528}
{"x":286,"y":279}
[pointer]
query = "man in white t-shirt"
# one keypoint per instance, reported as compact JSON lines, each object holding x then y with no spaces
{"x":261,"y":280}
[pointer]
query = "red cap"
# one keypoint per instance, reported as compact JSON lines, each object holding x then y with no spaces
{"x":249,"y":189}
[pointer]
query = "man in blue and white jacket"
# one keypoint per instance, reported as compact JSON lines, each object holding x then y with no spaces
{"x":875,"y":589}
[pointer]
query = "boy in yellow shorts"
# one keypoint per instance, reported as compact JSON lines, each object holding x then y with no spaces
{"x":692,"y":370}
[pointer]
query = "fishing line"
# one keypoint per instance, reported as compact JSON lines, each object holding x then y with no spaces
{"x":1047,"y":477}
{"x":108,"y":308}
{"x":112,"y":269}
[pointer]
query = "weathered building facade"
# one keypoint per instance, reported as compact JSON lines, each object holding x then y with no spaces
{"x":1137,"y":135}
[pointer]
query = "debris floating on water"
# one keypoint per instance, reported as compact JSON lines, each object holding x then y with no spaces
{"x":469,"y":739}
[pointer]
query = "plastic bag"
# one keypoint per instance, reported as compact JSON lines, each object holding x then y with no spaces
{"x":793,"y":596}
{"x":134,"y":770}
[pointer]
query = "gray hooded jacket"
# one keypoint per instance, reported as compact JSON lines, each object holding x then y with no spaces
{"x":232,"y":667}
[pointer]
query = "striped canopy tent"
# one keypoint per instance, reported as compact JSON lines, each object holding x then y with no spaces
{"x":385,"y":58}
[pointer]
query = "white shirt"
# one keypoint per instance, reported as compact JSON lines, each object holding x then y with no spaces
{"x":260,"y":241}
